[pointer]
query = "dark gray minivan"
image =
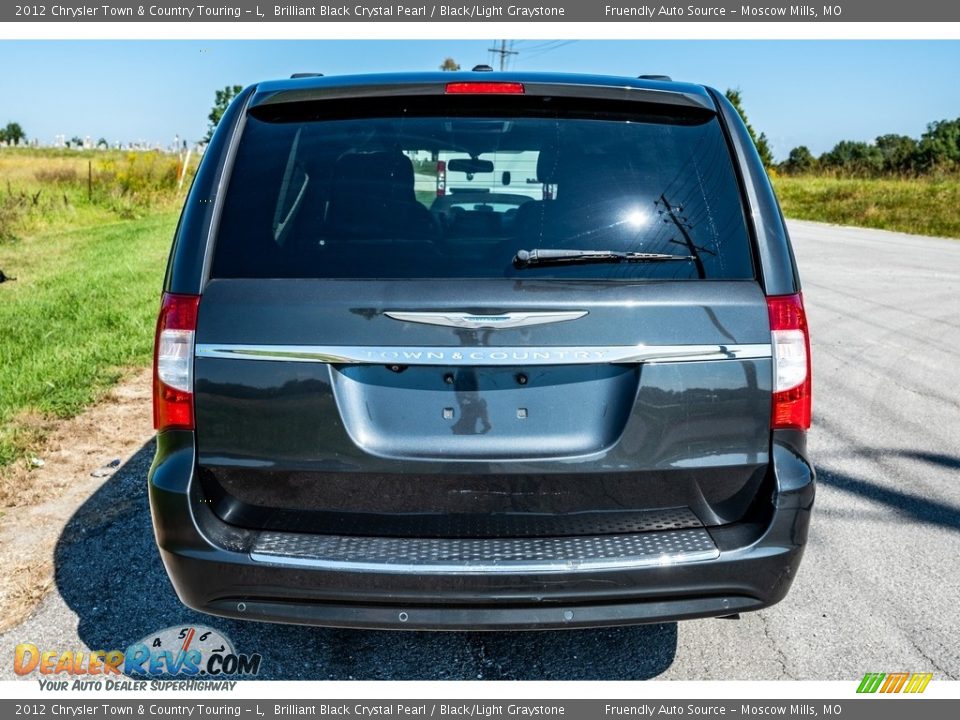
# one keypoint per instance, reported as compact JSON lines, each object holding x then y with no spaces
{"x":575,"y":395}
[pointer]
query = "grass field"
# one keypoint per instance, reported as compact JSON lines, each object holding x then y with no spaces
{"x":52,"y":189}
{"x":925,"y":206}
{"x":86,"y":236}
{"x":83,"y":308}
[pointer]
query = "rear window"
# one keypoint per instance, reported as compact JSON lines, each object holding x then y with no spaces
{"x":455,"y":188}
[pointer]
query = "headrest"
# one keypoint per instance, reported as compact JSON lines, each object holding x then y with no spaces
{"x":547,"y":163}
{"x":387,"y":175}
{"x":556,"y":165}
{"x":581,"y":177}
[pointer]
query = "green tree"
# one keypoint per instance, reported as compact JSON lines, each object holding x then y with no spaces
{"x":800,"y":160}
{"x":449,"y":64}
{"x":761,"y":142}
{"x":220,"y":104}
{"x":12,"y":133}
{"x":854,"y":158}
{"x":940,"y":145}
{"x":898,"y":153}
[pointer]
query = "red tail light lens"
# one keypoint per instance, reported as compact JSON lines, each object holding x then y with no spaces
{"x":173,"y":362}
{"x":480,"y":88}
{"x":792,"y":381}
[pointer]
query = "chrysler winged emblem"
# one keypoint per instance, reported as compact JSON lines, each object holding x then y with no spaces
{"x":476,"y":322}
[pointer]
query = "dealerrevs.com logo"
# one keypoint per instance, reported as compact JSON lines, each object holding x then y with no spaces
{"x":193,"y":651}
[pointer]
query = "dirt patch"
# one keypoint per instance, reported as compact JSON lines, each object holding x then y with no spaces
{"x":28,"y":430}
{"x":38,"y":501}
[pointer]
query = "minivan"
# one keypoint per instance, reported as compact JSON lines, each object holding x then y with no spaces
{"x":582,"y":405}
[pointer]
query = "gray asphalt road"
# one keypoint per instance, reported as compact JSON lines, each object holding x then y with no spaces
{"x":879,"y":588}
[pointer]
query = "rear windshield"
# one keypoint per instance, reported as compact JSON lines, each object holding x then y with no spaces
{"x":401,"y":190}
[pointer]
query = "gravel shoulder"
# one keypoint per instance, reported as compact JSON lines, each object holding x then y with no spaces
{"x":47,"y":496}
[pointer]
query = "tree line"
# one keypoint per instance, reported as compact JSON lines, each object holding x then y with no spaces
{"x":936,"y":150}
{"x":12,"y":133}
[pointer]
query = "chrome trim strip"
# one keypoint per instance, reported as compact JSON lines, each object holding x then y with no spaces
{"x":483,"y":356}
{"x":469,"y":568}
{"x":477,"y":321}
{"x":459,"y":556}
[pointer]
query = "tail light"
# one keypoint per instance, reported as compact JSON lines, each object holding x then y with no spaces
{"x":173,"y":362}
{"x":441,"y":178}
{"x":484,"y":88}
{"x":792,"y":387}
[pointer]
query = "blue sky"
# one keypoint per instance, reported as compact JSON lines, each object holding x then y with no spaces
{"x":799,"y":92}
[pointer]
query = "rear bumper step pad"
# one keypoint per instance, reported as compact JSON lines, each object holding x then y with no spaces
{"x":473,"y":555}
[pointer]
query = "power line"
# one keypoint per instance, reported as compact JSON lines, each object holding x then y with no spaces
{"x":508,"y":53}
{"x":556,"y":45}
{"x":527,"y":48}
{"x":503,"y":52}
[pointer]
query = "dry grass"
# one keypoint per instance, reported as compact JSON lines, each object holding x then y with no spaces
{"x":39,"y":501}
{"x":29,"y":431}
{"x":62,"y":450}
{"x":41,"y":189}
{"x":24,"y":586}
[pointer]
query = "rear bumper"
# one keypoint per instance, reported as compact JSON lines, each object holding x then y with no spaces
{"x":215,"y":568}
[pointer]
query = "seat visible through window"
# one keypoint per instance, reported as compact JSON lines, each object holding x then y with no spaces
{"x":372,"y":197}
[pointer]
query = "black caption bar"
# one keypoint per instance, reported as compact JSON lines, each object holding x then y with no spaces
{"x":523,"y":11}
{"x":219,"y":708}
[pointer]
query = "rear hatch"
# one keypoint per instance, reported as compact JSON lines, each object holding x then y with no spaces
{"x":591,"y":358}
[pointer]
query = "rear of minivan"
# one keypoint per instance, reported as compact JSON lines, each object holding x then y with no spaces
{"x":582,"y":405}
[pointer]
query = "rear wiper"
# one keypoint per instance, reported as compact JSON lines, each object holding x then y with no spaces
{"x":529,"y":258}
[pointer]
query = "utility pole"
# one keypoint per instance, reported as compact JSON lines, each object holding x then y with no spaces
{"x":503,"y":53}
{"x":671,"y":212}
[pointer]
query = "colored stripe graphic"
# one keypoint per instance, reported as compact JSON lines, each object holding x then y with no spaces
{"x":918,"y":682}
{"x":870,"y":682}
{"x":894,"y":682}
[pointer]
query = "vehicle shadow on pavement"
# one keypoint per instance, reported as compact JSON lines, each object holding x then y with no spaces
{"x":912,"y":505}
{"x":109,"y":573}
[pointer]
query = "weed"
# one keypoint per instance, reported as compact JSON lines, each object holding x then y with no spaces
{"x":926,"y":206}
{"x":47,"y":188}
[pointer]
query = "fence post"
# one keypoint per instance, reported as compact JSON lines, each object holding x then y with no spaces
{"x":183,"y":170}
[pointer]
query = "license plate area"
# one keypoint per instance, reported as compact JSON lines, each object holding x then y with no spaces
{"x":484,"y":413}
